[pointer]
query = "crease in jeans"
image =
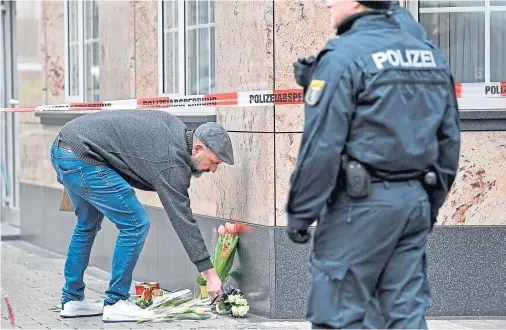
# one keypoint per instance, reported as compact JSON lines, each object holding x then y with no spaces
{"x":131,"y":252}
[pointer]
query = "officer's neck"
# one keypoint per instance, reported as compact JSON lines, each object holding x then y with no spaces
{"x":346,"y":25}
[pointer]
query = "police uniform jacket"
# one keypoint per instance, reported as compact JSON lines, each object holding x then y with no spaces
{"x":383,"y":95}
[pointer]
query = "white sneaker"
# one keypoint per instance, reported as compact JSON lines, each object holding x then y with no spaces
{"x":81,"y":308}
{"x":125,"y":311}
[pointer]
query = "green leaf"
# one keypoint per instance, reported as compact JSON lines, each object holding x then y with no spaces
{"x":201,"y":280}
{"x":175,"y":302}
{"x":182,"y":301}
{"x":223,"y":266}
{"x":144,"y":320}
{"x":222,"y":305}
{"x":189,"y":311}
{"x":190,"y":316}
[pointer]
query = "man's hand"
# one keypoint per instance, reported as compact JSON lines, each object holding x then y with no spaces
{"x":214,"y":285}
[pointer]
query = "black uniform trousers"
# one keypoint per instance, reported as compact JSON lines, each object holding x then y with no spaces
{"x":368,"y":266}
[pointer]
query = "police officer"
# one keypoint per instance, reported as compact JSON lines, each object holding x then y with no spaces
{"x":304,"y":67}
{"x":379,"y":152}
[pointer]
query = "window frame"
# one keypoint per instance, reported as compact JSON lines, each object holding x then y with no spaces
{"x":181,"y":50}
{"x":470,"y":103}
{"x":80,"y":36}
{"x":182,"y":54}
{"x":82,"y":95}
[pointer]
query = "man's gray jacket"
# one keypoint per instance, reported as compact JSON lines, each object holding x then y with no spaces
{"x":151,"y":150}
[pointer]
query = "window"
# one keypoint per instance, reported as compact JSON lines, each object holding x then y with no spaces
{"x":186,"y":47}
{"x":471,"y":34}
{"x":82,"y":54}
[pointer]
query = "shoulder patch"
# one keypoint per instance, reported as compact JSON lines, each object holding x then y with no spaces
{"x":315,"y":91}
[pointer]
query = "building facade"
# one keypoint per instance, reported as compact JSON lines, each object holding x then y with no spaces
{"x":75,"y":51}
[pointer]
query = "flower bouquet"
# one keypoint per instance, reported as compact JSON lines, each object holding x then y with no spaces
{"x":177,"y":306}
{"x":224,"y":253}
{"x":233,"y":303}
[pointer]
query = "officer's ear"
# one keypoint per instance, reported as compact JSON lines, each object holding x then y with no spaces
{"x":359,"y":7}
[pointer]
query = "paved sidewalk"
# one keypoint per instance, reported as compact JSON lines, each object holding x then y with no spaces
{"x":33,"y":278}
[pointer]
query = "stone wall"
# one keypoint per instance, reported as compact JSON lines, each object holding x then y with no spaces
{"x":256,"y":44}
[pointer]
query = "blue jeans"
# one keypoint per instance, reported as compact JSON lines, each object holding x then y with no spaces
{"x":96,"y":191}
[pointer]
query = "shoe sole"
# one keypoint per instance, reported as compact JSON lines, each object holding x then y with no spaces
{"x":76,"y":316}
{"x":115,"y":318}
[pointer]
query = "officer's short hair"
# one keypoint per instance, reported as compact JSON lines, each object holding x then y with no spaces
{"x":379,"y":4}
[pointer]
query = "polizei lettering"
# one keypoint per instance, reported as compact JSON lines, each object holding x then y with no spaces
{"x":276,"y":98}
{"x":410,"y":58}
{"x":495,"y":90}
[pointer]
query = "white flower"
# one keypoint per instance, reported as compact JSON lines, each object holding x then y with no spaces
{"x":242,"y":310}
{"x":232,"y":299}
{"x":241,"y":302}
{"x":235,"y":310}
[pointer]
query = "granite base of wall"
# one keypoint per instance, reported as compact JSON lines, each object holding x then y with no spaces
{"x":9,"y":215}
{"x":467,"y":264}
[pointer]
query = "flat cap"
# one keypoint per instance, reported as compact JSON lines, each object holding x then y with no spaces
{"x":216,"y":138}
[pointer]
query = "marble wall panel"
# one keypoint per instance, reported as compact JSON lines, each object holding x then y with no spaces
{"x":301,"y":29}
{"x":55,"y":50}
{"x":287,"y":150}
{"x":117,"y":49}
{"x":242,"y":192}
{"x":34,"y":143}
{"x":146,"y":48}
{"x":244,"y":60}
{"x":479,"y":195}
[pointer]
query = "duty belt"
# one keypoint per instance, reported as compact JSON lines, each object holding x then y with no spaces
{"x":391,"y":177}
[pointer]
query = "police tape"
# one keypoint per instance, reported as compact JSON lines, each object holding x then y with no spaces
{"x":233,"y":99}
{"x":480,"y":90}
